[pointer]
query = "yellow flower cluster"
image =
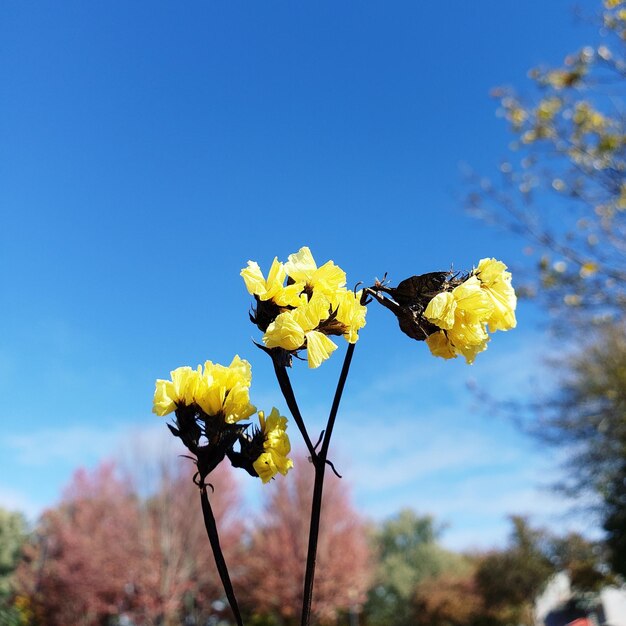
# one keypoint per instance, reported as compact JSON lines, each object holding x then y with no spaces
{"x":313,"y":304}
{"x":217,"y":390}
{"x":276,"y":447}
{"x":486,"y":300}
{"x":223,"y":393}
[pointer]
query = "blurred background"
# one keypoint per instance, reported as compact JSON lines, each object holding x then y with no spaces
{"x":150,"y":150}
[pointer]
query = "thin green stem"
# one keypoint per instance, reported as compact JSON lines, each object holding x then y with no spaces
{"x":211,"y":529}
{"x":319,"y":462}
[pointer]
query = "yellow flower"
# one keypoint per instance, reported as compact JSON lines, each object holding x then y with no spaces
{"x":272,"y":288}
{"x":225,"y":390}
{"x":219,"y":390}
{"x":180,"y":390}
{"x":462,"y":315}
{"x":350,"y":313}
{"x":293,"y":329}
{"x":496,"y":283}
{"x":328,"y":279}
{"x":276,"y":447}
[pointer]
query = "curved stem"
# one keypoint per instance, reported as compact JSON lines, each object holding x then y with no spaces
{"x":211,"y":529}
{"x":319,"y":462}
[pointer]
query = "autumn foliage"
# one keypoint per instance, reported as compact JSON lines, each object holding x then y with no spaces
{"x":104,"y":551}
{"x":107,"y":551}
{"x":275,"y":562}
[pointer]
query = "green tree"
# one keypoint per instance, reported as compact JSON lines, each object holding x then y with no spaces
{"x":408,"y":553}
{"x":13,"y":533}
{"x":510,"y":580}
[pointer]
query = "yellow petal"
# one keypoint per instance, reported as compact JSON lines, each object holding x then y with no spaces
{"x":289,"y":295}
{"x":253,"y":278}
{"x":164,"y":399}
{"x":185,"y":381}
{"x":308,"y":316}
{"x":351,"y":313}
{"x":240,"y":371}
{"x":284,"y":332}
{"x":237,"y":405}
{"x":440,"y":346}
{"x":440,"y":310}
{"x":300,"y":266}
{"x":496,"y":283}
{"x":468,"y":337}
{"x":472,"y":300}
{"x":319,"y":347}
{"x":328,"y":279}
{"x":265,"y":467}
{"x":211,"y":398}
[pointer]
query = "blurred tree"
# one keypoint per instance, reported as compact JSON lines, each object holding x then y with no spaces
{"x":105,"y":552}
{"x":563,"y":189}
{"x":13,"y":534}
{"x":583,"y":560}
{"x":408,"y":553}
{"x":86,"y":558}
{"x":448,"y":600}
{"x":276,"y":557}
{"x":179,"y":576}
{"x":587,"y":417}
{"x":510,"y":580}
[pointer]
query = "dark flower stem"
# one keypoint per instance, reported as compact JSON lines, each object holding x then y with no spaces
{"x":287,"y":391}
{"x":318,"y":488}
{"x":211,"y":529}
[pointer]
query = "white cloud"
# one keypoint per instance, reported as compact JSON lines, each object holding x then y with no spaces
{"x":74,"y":445}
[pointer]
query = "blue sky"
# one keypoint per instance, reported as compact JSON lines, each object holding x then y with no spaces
{"x":150,"y":149}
